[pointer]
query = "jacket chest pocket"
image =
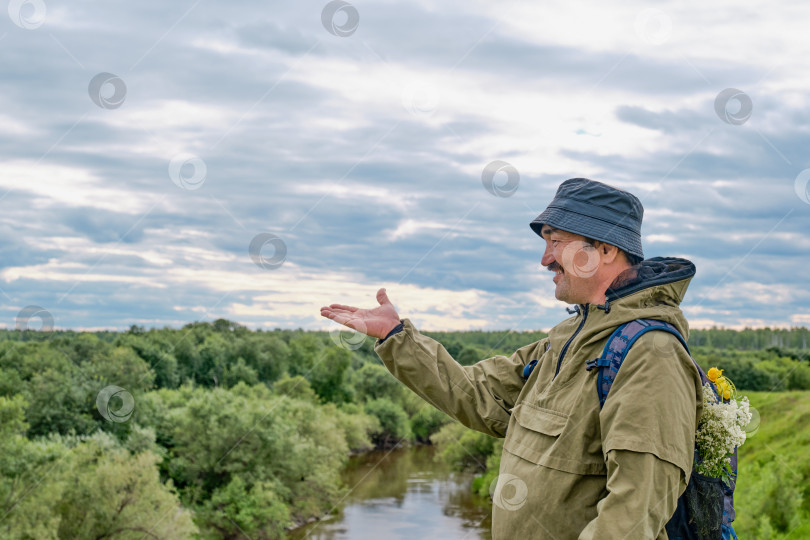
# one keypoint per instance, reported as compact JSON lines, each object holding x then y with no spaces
{"x":540,"y":436}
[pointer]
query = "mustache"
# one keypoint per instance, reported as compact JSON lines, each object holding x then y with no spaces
{"x":553,"y":267}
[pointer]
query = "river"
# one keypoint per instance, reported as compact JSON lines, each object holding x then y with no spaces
{"x":403,"y":493}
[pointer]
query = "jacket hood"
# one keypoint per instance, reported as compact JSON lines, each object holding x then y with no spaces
{"x":651,"y":273}
{"x":652,"y":289}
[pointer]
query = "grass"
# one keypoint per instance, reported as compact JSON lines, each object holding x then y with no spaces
{"x":772,"y":498}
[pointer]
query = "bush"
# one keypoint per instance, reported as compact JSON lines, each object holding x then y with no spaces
{"x":328,"y":375}
{"x":776,"y":493}
{"x":394,"y":427}
{"x":237,"y":510}
{"x":85,"y":487}
{"x":239,"y":372}
{"x":373,"y":381}
{"x":462,"y":448}
{"x":470,"y":355}
{"x":483,"y":482}
{"x":426,"y":422}
{"x":294,"y":446}
{"x":296,"y":387}
{"x":356,"y":424}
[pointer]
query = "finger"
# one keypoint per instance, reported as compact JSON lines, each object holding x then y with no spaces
{"x":340,"y":318}
{"x":338,"y":311}
{"x":382,"y":297}
{"x":350,"y":309}
{"x":331,"y":313}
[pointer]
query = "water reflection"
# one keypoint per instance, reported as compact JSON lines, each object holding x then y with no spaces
{"x":404,"y":494}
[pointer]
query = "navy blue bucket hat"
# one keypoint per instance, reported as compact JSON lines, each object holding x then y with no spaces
{"x":597,"y":211}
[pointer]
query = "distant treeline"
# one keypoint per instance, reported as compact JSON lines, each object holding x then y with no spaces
{"x":490,"y":341}
{"x":751,"y":339}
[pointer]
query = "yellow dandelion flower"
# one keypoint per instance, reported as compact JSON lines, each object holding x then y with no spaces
{"x":714,"y":373}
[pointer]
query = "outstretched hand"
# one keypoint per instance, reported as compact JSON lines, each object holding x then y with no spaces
{"x":377,"y":322}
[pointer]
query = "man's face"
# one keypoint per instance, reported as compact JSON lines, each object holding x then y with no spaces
{"x":575,"y":264}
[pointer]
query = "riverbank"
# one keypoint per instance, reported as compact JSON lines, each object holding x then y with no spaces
{"x":402,"y":493}
{"x":356,"y":453}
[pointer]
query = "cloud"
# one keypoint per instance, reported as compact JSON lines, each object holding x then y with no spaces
{"x":364,"y":154}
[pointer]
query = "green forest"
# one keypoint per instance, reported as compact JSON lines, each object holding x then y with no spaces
{"x":217,"y":431}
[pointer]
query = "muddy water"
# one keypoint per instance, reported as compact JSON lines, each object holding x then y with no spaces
{"x":404,"y":493}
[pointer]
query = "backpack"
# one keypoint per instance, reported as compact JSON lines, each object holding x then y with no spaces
{"x":706,"y":509}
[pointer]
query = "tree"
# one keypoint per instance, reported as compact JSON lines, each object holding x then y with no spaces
{"x":214,"y":356}
{"x":304,"y":350}
{"x":328,"y":375}
{"x":394,"y":428}
{"x":462,"y":447}
{"x":26,"y":506}
{"x":128,"y":498}
{"x":272,"y":358}
{"x":266,"y":440}
{"x":373,"y":381}
{"x":427,"y":421}
{"x":81,"y":487}
{"x":470,"y":355}
{"x":237,"y":510}
{"x":61,"y":401}
{"x":238,"y":372}
{"x":156,"y":355}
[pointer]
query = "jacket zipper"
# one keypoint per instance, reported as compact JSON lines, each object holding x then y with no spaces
{"x":567,"y":343}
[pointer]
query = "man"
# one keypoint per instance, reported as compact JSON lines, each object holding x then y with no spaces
{"x":570,"y":470}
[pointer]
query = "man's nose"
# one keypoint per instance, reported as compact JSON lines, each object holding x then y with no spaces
{"x":547,"y":258}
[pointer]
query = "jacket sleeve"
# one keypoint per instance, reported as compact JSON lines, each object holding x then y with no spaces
{"x":648,"y":428}
{"x":479,"y":396}
{"x":643,"y":492}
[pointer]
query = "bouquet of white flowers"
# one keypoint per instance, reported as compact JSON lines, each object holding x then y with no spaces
{"x":721,"y":427}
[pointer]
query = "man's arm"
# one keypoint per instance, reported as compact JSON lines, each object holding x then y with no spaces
{"x":479,"y":396}
{"x":648,"y":427}
{"x":643,"y":493}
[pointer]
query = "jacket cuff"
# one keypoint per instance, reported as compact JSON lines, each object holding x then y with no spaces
{"x":398,"y":328}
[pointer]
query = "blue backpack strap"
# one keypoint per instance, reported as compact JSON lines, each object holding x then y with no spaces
{"x":617,"y":346}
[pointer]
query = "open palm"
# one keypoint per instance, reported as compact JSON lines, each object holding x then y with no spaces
{"x":377,"y":322}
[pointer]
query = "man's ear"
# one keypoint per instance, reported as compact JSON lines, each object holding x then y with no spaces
{"x":608,"y":252}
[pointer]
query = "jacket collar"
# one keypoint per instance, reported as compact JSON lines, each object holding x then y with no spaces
{"x":653,"y":289}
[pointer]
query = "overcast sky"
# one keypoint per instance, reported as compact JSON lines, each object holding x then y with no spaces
{"x":148,"y":145}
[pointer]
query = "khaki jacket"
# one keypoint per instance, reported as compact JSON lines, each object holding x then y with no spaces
{"x":570,"y":470}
